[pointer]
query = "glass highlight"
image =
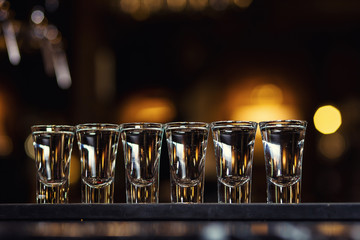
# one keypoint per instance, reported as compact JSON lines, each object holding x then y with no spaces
{"x":142,"y":149}
{"x":98,"y":145}
{"x":283,"y":142}
{"x":52,"y":145}
{"x":234,"y":150}
{"x":187,"y":144}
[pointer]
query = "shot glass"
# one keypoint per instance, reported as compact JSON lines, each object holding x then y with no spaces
{"x":187,"y":143}
{"x":234,"y":150}
{"x":142,"y":148}
{"x":53,"y":145}
{"x":98,"y":145}
{"x":283,"y":142}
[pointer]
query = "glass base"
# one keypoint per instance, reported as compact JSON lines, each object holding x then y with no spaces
{"x":56,"y":193}
{"x":194,"y":194}
{"x":104,"y":194}
{"x":238,"y":194}
{"x":142,"y":194}
{"x":289,"y":194}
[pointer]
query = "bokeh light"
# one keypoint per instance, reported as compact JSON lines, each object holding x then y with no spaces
{"x":266,"y":94}
{"x":243,"y":3}
{"x":52,"y":33}
{"x":264,"y":113}
{"x":147,"y":109}
{"x":260,"y":103}
{"x":260,"y":99}
{"x":153,"y":5}
{"x":176,"y":5}
{"x":332,"y":146}
{"x":130,"y":6}
{"x":37,"y":16}
{"x":327,"y":119}
{"x":198,"y":4}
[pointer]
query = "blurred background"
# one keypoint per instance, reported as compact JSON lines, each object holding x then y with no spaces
{"x":70,"y":62}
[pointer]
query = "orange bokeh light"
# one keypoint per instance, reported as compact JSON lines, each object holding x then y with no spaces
{"x":147,"y":109}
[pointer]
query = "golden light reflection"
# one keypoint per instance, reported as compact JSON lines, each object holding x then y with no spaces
{"x":284,"y":159}
{"x":332,"y":146}
{"x":198,"y":4}
{"x":147,"y":109}
{"x":259,"y":228}
{"x":74,"y":169}
{"x":243,"y":3}
{"x":332,"y":229}
{"x":327,"y":119}
{"x":210,"y":163}
{"x":176,"y":5}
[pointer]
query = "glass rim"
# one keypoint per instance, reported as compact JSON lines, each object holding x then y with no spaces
{"x":52,"y":128}
{"x":172,"y":125}
{"x":233,"y":123}
{"x":283,"y":123}
{"x":97,"y":126}
{"x":141,"y":125}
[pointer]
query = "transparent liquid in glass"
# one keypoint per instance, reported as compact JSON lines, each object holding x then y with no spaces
{"x":283,"y":150}
{"x":52,"y":157}
{"x":142,"y":150}
{"x":98,"y":150}
{"x":234,"y":149}
{"x":187,"y":150}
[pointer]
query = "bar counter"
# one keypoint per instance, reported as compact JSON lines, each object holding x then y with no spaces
{"x":180,"y":221}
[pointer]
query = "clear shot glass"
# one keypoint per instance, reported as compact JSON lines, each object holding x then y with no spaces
{"x":187,"y":143}
{"x":53,"y":145}
{"x":234,"y":150}
{"x":283,"y":142}
{"x":142,"y":149}
{"x":98,"y":145}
